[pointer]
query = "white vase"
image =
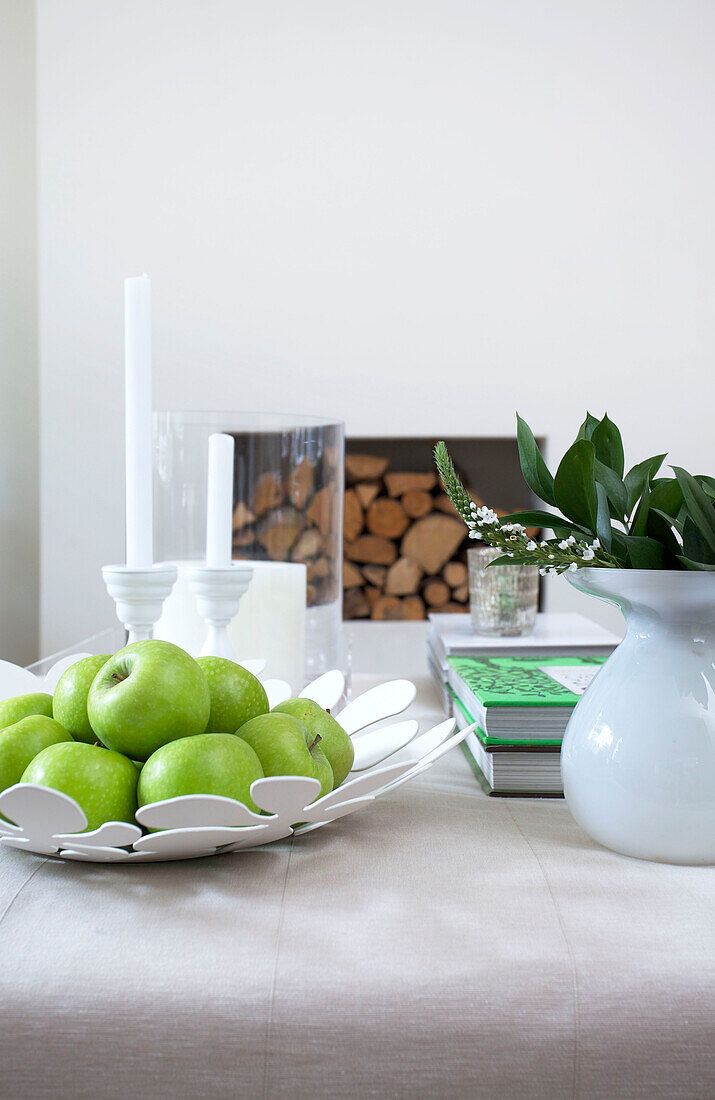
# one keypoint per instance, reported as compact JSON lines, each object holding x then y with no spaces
{"x":638,"y":757}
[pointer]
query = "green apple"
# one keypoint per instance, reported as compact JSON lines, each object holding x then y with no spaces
{"x":12,"y":710}
{"x":103,"y":782}
{"x":148,"y":694}
{"x":20,"y":744}
{"x":211,"y":763}
{"x":334,"y":741}
{"x":236,"y":695}
{"x":69,"y":704}
{"x":285,"y":747}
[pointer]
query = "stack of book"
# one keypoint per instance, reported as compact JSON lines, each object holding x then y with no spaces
{"x":518,"y":692}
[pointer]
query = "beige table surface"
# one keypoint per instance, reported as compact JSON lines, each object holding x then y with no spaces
{"x":437,"y":944}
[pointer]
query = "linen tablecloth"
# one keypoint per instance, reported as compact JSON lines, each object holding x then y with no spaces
{"x":436,"y":944}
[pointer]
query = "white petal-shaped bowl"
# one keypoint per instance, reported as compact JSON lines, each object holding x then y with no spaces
{"x":49,"y":823}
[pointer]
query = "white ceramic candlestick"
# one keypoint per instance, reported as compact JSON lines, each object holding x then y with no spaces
{"x":218,"y":593}
{"x":139,"y":595}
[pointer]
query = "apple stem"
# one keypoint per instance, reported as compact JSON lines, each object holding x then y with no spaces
{"x":316,"y":741}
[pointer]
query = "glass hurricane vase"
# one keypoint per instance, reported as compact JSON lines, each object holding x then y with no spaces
{"x":287,"y":524}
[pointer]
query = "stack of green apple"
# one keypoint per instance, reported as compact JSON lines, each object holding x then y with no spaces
{"x":151,"y":723}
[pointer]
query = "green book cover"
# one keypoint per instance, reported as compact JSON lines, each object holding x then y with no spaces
{"x":503,"y":742}
{"x":518,"y":681}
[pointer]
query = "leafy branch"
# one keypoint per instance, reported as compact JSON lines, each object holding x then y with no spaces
{"x":608,"y":518}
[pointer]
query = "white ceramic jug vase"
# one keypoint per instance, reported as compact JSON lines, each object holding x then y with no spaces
{"x":638,"y":756}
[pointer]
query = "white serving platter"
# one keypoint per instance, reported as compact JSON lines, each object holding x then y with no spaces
{"x":49,"y":823}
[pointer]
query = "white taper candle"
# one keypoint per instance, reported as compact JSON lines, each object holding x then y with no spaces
{"x":138,"y":422}
{"x":219,"y":502}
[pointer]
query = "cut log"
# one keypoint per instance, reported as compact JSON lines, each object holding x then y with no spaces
{"x":373,"y":595}
{"x":397,"y":484}
{"x":443,"y":504}
{"x":353,"y":517}
{"x":403,"y":578}
{"x":320,"y":509}
{"x":436,"y":593}
{"x":308,"y":545}
{"x":387,"y":608}
{"x":268,"y":494}
{"x":279,"y":532}
{"x":244,"y":538}
{"x":372,"y":549}
{"x":375,"y":574}
{"x":432,"y":541}
{"x":355,"y":604}
{"x":414,"y":608}
{"x":367,"y":491}
{"x":387,"y":518}
{"x":455,"y":573}
{"x":301,"y":482}
{"x":242,"y":516}
{"x":322,"y":568}
{"x":452,"y":609}
{"x":364,"y":467}
{"x":461,"y":594}
{"x":417,"y":503}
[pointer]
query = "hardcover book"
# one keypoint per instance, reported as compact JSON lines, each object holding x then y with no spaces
{"x":554,"y":632}
{"x":528,"y":769}
{"x":517,"y":697}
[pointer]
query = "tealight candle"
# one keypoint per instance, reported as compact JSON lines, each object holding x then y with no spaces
{"x":138,"y":422}
{"x":219,"y":501}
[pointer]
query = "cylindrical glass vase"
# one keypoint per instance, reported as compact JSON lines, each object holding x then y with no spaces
{"x":288,"y":500}
{"x":502,"y":599}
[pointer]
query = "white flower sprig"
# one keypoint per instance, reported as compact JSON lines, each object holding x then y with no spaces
{"x":553,"y":556}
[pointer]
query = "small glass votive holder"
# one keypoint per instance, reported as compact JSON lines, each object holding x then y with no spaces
{"x":502,"y":599}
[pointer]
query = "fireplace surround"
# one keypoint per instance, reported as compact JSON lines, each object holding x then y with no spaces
{"x":405,"y":549}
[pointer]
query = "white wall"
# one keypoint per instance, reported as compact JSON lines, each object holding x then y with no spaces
{"x":19,"y":556}
{"x":413,"y":215}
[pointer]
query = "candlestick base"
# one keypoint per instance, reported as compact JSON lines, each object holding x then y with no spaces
{"x":139,"y":595}
{"x":218,"y":595}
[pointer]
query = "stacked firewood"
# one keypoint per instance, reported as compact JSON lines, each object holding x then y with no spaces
{"x":291,"y":515}
{"x":404,"y":545}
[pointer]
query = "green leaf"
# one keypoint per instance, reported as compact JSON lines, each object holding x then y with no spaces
{"x":575,"y":485}
{"x":637,"y":478}
{"x":615,"y":489}
{"x":695,"y":546}
{"x":695,"y":564}
{"x":606,"y":438}
{"x":619,"y":549}
{"x":666,"y":496}
{"x":536,"y":472}
{"x":603,"y":518}
{"x":701,"y":508}
{"x":645,"y":553}
{"x":640,"y":519}
{"x":660,"y":527}
{"x":707,"y":484}
{"x":587,"y":428}
{"x":534,"y":518}
{"x":503,"y":560}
